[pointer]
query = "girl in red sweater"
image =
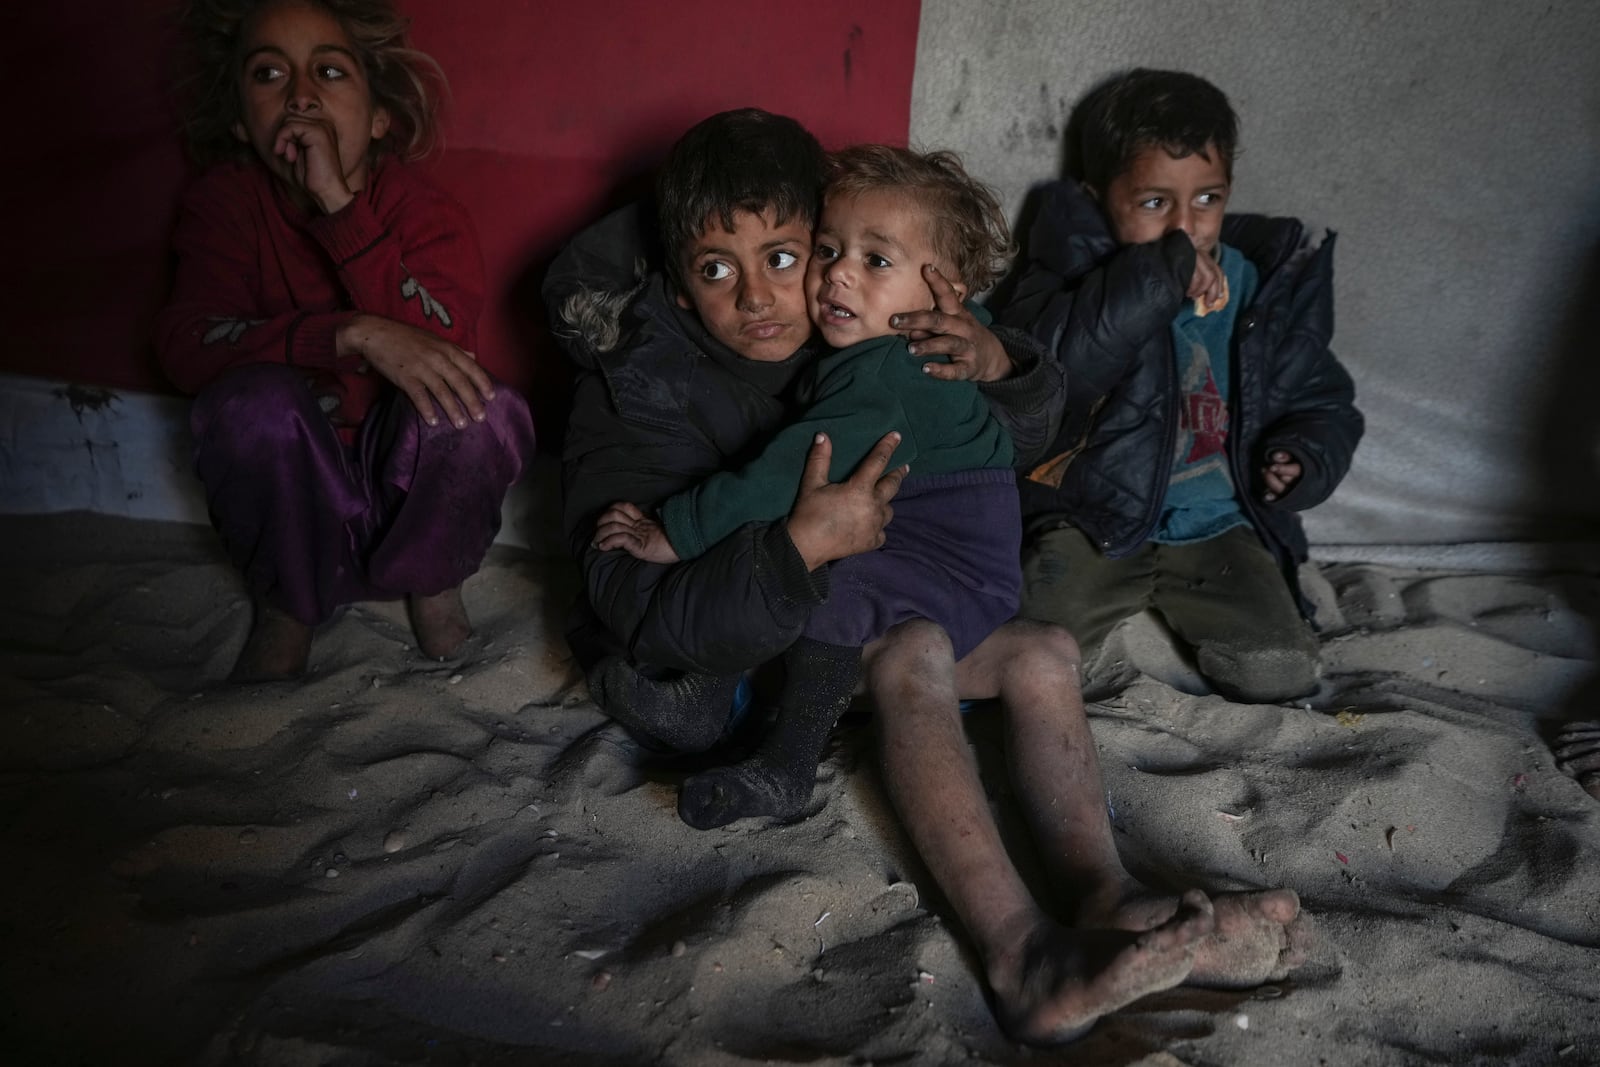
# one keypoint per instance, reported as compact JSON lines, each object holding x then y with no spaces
{"x":325,"y":314}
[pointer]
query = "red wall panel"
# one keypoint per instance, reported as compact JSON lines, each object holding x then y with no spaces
{"x":559,"y":110}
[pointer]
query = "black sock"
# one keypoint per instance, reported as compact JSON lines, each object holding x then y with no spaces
{"x":779,"y":778}
{"x":685,"y":713}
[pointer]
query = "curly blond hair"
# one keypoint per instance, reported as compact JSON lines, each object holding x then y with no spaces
{"x":968,"y":228}
{"x":405,"y":82}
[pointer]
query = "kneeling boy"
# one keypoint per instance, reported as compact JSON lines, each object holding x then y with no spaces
{"x":1205,"y":409}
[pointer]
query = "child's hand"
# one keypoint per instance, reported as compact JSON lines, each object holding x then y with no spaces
{"x":832,"y":520}
{"x":309,"y":150}
{"x":949,"y":329}
{"x":425,"y":367}
{"x":1208,"y":282}
{"x":1279,"y":474}
{"x":626,"y":527}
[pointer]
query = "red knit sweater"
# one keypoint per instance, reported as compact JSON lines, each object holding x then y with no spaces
{"x":261,"y":281}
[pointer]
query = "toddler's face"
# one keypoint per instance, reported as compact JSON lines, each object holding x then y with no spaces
{"x":866,"y":264}
{"x":300,"y":76}
{"x":1158,"y":194}
{"x":748,"y":285}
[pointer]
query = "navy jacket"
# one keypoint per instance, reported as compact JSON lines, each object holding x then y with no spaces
{"x":1105,"y":312}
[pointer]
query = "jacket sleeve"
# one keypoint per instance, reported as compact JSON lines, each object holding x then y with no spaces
{"x":215,"y":320}
{"x":740,"y":604}
{"x":1030,"y":403}
{"x":411,"y":256}
{"x":1097,"y":326}
{"x":1091,"y":304}
{"x":428,"y":274}
{"x":1310,"y":394}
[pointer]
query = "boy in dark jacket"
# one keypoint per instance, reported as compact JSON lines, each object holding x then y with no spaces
{"x":1204,"y":410}
{"x":951,"y":553}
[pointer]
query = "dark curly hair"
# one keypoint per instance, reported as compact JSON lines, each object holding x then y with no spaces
{"x":407,"y":83}
{"x":968,"y":227}
{"x":1181,"y":113}
{"x":742,"y":160}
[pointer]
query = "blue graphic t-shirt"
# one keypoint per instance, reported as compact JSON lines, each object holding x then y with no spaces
{"x":1200,"y":501}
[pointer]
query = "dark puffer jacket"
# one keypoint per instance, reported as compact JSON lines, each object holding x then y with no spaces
{"x":1105,"y":312}
{"x":660,"y":405}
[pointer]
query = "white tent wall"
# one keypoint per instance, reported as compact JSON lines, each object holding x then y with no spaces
{"x":1455,"y":148}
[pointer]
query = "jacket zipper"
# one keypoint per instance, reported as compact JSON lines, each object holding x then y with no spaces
{"x":1170,"y":399}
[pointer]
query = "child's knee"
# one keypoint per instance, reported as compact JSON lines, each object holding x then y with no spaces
{"x":506,"y":431}
{"x":1031,"y":646}
{"x":912,"y":657}
{"x":907,"y":644}
{"x":1261,"y":675}
{"x":1056,"y":643}
{"x":253,"y":411}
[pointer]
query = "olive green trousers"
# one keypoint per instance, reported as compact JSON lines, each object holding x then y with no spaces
{"x":1224,"y":598}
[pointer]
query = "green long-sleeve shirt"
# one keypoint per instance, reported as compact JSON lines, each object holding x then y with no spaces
{"x":857,"y":395}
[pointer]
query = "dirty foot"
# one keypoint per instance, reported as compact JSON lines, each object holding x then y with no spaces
{"x":1258,"y":937}
{"x":279,"y":646}
{"x":1577,"y":749}
{"x":1063,"y":980}
{"x":440,"y":621}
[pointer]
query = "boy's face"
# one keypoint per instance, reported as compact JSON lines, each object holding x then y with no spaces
{"x":748,"y":285}
{"x":866,"y":265}
{"x":301,"y":80}
{"x":1157,"y":194}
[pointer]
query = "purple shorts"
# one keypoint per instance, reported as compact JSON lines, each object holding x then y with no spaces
{"x":951,"y":555}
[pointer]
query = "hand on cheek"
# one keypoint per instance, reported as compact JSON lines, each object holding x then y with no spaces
{"x":950,"y":329}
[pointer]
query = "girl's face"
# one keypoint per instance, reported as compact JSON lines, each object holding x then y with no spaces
{"x":300,"y":81}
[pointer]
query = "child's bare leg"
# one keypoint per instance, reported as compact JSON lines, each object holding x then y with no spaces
{"x":1033,"y":669}
{"x":279,"y":646}
{"x":1577,"y":749}
{"x":1050,"y":983}
{"x":440,"y":621}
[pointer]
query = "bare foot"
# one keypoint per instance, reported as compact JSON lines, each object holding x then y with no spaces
{"x":1063,"y":980}
{"x":279,"y":646}
{"x":441,"y":622}
{"x":1577,"y":749}
{"x":1258,"y":937}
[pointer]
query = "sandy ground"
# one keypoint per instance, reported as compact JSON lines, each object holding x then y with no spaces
{"x":398,"y":861}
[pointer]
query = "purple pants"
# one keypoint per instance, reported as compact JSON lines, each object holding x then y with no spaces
{"x":314,"y":523}
{"x":952,"y":554}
